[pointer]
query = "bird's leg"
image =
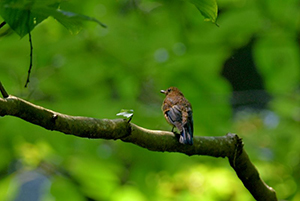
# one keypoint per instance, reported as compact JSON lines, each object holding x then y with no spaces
{"x":173,"y":129}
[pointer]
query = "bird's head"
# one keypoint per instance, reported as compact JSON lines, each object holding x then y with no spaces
{"x":171,"y":90}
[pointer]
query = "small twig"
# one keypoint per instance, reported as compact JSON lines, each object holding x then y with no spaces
{"x":30,"y":63}
{"x":3,"y":92}
{"x":2,"y":24}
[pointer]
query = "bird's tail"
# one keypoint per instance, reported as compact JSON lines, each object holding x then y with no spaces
{"x":186,"y":136}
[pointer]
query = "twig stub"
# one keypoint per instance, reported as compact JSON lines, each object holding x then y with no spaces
{"x":3,"y":91}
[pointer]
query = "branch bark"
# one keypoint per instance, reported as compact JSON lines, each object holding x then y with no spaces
{"x":230,"y":145}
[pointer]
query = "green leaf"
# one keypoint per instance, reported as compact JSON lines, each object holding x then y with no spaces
{"x":208,"y":8}
{"x":19,"y":16}
{"x":72,"y":21}
{"x":23,"y":15}
{"x":126,"y":113}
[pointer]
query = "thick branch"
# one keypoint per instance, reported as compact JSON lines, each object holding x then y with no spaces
{"x":229,"y":146}
{"x":154,"y":140}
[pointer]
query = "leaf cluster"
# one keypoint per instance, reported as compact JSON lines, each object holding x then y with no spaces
{"x":24,"y":15}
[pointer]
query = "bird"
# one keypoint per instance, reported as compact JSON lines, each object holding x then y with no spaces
{"x":178,"y":112}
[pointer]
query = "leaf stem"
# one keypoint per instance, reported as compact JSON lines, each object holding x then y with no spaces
{"x":31,"y":52}
{"x":30,"y":60}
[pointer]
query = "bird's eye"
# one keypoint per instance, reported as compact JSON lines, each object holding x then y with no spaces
{"x":169,"y":90}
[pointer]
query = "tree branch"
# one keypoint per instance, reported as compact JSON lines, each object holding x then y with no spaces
{"x":2,"y":24}
{"x":230,"y":145}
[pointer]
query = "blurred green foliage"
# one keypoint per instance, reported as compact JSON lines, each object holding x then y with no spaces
{"x":149,"y":46}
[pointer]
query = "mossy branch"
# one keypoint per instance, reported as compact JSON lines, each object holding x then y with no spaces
{"x":230,"y":145}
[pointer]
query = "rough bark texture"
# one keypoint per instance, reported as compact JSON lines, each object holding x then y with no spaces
{"x":230,"y":145}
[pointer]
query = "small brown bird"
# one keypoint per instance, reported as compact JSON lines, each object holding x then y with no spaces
{"x":178,"y":112}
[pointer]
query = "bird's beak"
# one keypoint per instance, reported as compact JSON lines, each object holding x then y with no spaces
{"x":162,"y":91}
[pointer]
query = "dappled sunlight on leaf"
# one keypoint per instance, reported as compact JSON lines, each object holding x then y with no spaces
{"x":128,"y":193}
{"x":279,"y":178}
{"x":32,"y":155}
{"x":201,"y":183}
{"x":98,"y":179}
{"x":8,"y":188}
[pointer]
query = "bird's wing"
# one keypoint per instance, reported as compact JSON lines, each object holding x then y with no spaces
{"x":174,"y":115}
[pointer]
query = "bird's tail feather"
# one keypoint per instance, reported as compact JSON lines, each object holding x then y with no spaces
{"x":186,"y":137}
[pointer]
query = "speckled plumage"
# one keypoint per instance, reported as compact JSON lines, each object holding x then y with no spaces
{"x":178,"y":112}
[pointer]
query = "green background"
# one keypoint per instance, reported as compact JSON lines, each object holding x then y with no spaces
{"x":149,"y":46}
